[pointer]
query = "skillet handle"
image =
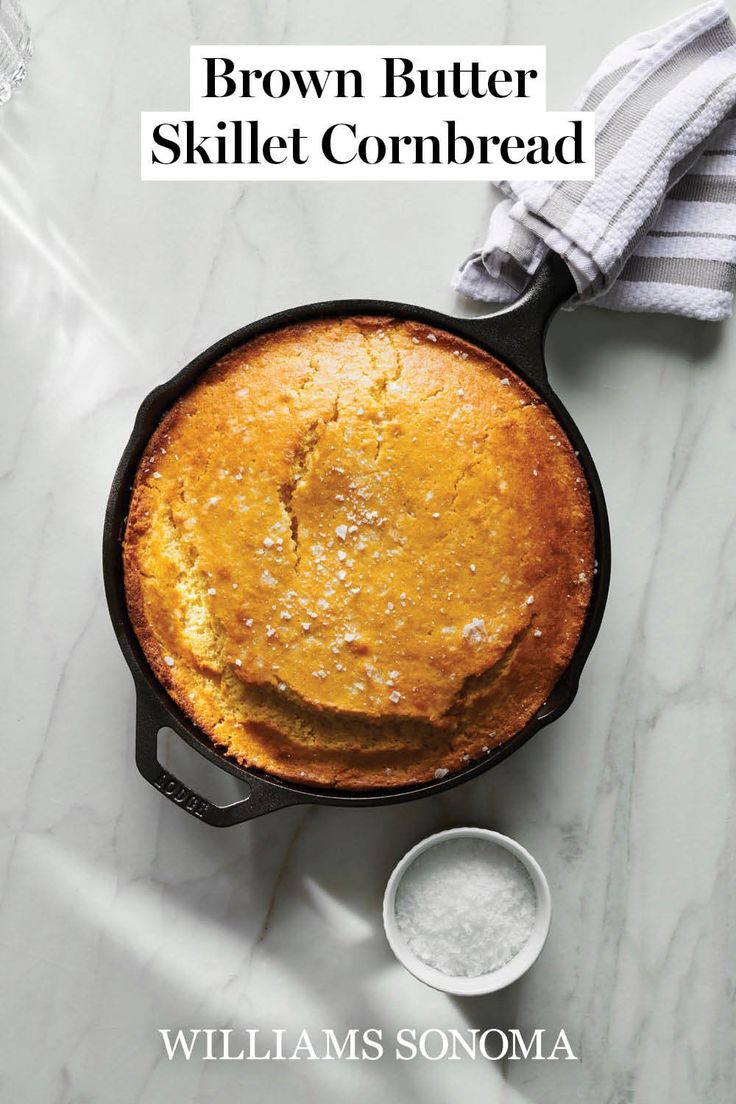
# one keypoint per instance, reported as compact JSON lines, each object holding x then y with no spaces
{"x":517,"y":333}
{"x":264,"y":797}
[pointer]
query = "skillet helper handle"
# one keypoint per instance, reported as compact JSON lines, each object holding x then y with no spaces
{"x":519,"y":330}
{"x":263,"y":797}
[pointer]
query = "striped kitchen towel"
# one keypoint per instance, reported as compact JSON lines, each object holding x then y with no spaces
{"x":656,"y":229}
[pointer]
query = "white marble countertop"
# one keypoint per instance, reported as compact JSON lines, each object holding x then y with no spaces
{"x":120,"y":914}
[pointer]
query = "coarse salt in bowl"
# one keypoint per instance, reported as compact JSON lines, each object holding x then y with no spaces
{"x":467,"y":911}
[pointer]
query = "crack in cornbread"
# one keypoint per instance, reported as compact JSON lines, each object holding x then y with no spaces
{"x":359,"y":553}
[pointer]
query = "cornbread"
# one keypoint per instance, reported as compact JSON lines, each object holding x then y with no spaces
{"x":359,"y":553}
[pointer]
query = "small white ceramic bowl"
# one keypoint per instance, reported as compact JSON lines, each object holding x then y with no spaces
{"x":484,"y":983}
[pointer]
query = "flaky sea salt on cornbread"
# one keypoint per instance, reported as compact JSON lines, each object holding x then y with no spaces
{"x":359,"y":553}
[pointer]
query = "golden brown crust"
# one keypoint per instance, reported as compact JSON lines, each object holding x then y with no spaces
{"x":359,"y":553}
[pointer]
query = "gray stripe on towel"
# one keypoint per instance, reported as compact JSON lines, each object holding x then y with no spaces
{"x":690,"y":234}
{"x":704,"y":188}
{"x":605,"y":85}
{"x":718,"y":275}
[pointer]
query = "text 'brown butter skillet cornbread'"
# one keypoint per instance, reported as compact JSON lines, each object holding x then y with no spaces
{"x":359,"y":553}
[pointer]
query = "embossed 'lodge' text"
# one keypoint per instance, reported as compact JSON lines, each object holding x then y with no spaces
{"x":180,"y":794}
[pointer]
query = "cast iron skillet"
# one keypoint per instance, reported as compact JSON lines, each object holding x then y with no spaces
{"x":515,"y":336}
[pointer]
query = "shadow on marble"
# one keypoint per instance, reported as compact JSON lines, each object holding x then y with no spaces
{"x":585,"y":341}
{"x":495,"y":1010}
{"x":577,"y":338}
